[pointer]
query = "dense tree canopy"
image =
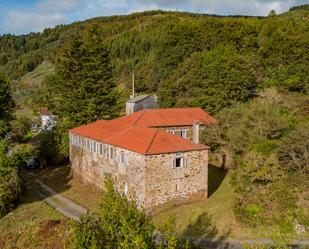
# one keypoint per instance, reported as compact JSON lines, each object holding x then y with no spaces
{"x":213,"y":80}
{"x":170,"y":51}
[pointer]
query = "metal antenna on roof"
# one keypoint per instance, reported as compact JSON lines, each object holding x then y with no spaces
{"x":133,"y":86}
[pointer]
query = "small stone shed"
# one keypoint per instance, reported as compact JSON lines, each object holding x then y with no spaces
{"x":140,"y":103}
{"x":150,"y":155}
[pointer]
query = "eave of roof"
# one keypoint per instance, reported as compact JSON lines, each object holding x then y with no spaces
{"x":131,"y":132}
{"x":146,"y":141}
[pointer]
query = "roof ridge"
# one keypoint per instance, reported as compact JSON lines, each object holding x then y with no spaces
{"x":139,"y":117}
{"x":155,"y":135}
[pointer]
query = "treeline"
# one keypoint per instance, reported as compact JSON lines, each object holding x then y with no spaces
{"x":13,"y":156}
{"x":182,"y":56}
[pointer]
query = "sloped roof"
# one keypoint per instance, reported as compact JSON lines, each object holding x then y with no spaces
{"x":133,"y":132}
{"x":138,"y":98}
{"x":167,"y":117}
{"x":147,"y":141}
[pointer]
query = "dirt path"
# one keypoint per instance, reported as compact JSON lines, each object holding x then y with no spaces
{"x":60,"y":203}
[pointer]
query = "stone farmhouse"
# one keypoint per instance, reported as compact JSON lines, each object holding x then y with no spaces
{"x":153,"y":155}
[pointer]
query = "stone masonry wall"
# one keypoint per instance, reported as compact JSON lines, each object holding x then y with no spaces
{"x":129,"y":177}
{"x":152,"y":180}
{"x":167,"y":184}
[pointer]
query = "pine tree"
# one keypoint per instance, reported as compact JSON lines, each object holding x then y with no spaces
{"x":83,"y":83}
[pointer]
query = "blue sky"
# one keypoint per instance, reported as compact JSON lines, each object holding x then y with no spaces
{"x":24,"y":16}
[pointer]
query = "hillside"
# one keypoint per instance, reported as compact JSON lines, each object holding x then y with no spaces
{"x":248,"y":72}
{"x":177,"y":55}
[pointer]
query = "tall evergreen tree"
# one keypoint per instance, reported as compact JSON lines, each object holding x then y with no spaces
{"x":6,"y":104}
{"x":83,"y":83}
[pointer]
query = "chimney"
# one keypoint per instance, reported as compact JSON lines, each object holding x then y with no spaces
{"x":196,"y":132}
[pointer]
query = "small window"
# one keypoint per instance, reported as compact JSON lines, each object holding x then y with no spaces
{"x":98,"y":148}
{"x":183,"y":133}
{"x":94,"y":147}
{"x":101,"y":149}
{"x":179,"y":161}
{"x":178,"y":133}
{"x":111,"y":152}
{"x":122,"y":157}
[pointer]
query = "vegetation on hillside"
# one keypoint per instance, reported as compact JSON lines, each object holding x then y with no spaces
{"x":251,"y":73}
{"x":6,"y":104}
{"x":162,"y":47}
{"x":267,"y":139}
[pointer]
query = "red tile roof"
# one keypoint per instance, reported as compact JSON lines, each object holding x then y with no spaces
{"x":133,"y":132}
{"x":168,"y":117}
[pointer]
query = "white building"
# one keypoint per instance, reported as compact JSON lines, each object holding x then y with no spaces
{"x":48,"y":120}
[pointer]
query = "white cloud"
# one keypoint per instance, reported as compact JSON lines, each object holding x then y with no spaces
{"x":43,"y":14}
{"x":222,"y":7}
{"x":24,"y":22}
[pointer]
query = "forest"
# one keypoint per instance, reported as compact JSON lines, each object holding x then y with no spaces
{"x":251,"y":73}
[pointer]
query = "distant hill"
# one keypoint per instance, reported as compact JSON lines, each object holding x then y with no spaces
{"x":168,"y":50}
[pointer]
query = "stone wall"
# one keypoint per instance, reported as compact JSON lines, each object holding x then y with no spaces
{"x":152,"y":180}
{"x":164,"y":183}
{"x":129,"y":177}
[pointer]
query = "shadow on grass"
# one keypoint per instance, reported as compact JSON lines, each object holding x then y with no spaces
{"x":204,"y":234}
{"x":56,"y":177}
{"x":215,"y":177}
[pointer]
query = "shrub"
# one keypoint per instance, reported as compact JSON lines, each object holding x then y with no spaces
{"x":262,"y":190}
{"x":9,"y":191}
{"x":120,"y":224}
{"x":265,"y":148}
{"x":294,"y":150}
{"x":49,"y":151}
{"x":20,"y":155}
{"x":88,"y":233}
{"x":21,"y":126}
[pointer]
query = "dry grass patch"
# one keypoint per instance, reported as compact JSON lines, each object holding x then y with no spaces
{"x":33,"y":224}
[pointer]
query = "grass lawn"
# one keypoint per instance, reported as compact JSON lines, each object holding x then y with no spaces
{"x":211,"y":218}
{"x":60,"y":180}
{"x":33,"y":224}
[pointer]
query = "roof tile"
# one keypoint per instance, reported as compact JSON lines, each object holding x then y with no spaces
{"x":134,"y":132}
